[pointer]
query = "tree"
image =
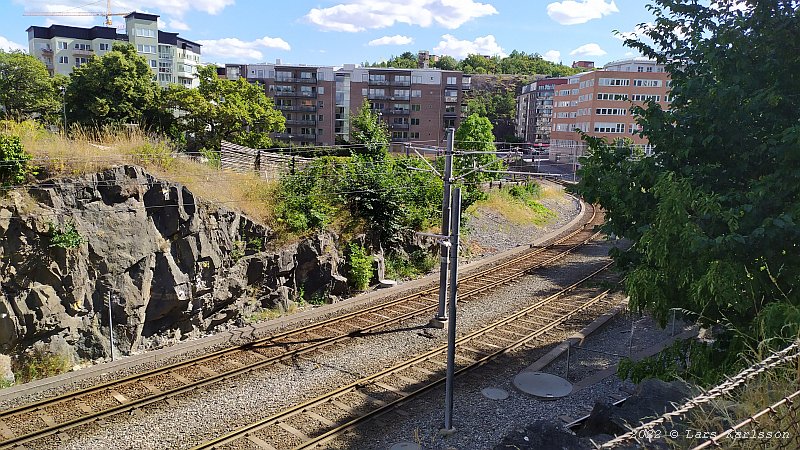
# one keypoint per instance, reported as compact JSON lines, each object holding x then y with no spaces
{"x":26,"y":89}
{"x":714,"y":211}
{"x":446,"y":63}
{"x":371,"y":132}
{"x":474,"y":136}
{"x":218,"y":110}
{"x":117,"y":87}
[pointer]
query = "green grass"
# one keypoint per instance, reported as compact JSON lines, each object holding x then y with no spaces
{"x":39,"y":364}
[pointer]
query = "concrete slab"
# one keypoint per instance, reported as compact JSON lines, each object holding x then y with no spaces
{"x":495,"y":393}
{"x":542,"y":385}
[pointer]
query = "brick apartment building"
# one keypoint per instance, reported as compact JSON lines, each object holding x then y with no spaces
{"x":172,"y":58}
{"x":318,"y":101}
{"x":535,"y":111}
{"x":599,"y":102}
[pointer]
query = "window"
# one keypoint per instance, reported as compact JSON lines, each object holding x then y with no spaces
{"x":614,"y":82}
{"x":414,"y":135}
{"x":320,"y":118}
{"x":450,"y":108}
{"x":402,"y":80}
{"x":145,"y":32}
{"x":81,"y":61}
{"x":604,"y":127}
{"x":320,"y":103}
{"x":281,"y":75}
{"x":416,"y":79}
{"x":104,"y":47}
{"x":401,"y":93}
{"x":63,"y":59}
{"x":563,"y":92}
{"x":85,"y":47}
{"x":611,"y":96}
{"x":414,"y":121}
{"x":644,"y":98}
{"x":306,"y":91}
{"x":647,"y":83}
{"x":451,"y":81}
{"x":62,"y":45}
{"x":306,"y":75}
{"x":321,"y":90}
{"x":611,"y":111}
{"x":416,"y":93}
{"x":146,"y":48}
{"x":415,"y":107}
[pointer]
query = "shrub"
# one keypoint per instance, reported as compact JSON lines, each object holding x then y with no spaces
{"x":150,"y":154}
{"x":64,"y":236}
{"x":360,"y":267}
{"x":39,"y":363}
{"x":14,"y":166}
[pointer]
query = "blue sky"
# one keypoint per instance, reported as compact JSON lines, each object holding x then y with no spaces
{"x":335,"y":32}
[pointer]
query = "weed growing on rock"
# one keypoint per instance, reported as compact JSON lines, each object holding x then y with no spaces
{"x":360,"y":267}
{"x":64,"y":236}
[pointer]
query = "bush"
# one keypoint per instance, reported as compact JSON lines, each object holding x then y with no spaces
{"x":64,"y":236}
{"x":419,"y":262}
{"x":360,"y":267}
{"x":157,"y":154}
{"x":14,"y":167}
{"x":39,"y":363}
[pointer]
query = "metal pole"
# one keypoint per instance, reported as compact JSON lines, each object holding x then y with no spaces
{"x":575,"y":165}
{"x":64,"y":106}
{"x":439,"y":320}
{"x":451,"y":330}
{"x":110,"y":327}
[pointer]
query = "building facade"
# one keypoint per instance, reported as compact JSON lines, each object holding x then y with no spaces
{"x":318,"y":101}
{"x":535,"y":111}
{"x":598,"y":103}
{"x":172,"y":59}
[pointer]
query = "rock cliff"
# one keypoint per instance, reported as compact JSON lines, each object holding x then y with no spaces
{"x":169,"y":264}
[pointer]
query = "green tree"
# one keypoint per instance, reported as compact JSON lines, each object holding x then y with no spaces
{"x":714,"y":211}
{"x":117,"y":87}
{"x":14,"y":167}
{"x":475,"y":63}
{"x":446,"y":63}
{"x":371,"y":132}
{"x":235,"y":111}
{"x":26,"y":89}
{"x":474,"y":136}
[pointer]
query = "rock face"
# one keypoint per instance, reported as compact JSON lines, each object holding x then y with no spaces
{"x":169,"y":264}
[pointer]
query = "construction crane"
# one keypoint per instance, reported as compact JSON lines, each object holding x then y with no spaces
{"x":106,"y":14}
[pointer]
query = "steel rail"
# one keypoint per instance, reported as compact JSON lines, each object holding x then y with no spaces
{"x":33,"y":408}
{"x":247,"y":431}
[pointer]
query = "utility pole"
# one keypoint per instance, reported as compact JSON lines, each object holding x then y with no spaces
{"x":110,"y":327}
{"x":438,"y":321}
{"x":451,"y":312}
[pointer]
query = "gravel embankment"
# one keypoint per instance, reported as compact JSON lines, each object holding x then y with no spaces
{"x":234,"y":403}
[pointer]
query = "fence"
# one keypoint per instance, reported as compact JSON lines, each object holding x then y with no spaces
{"x":267,"y":164}
{"x":776,"y":427}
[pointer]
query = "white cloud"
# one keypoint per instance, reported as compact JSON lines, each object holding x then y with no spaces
{"x":638,"y":32}
{"x":178,"y":25}
{"x":360,"y":15}
{"x":573,"y":12}
{"x":552,"y":56}
{"x":177,"y":8}
{"x":231,"y":50}
{"x":7,"y":45}
{"x":486,"y":45}
{"x":391,"y":40}
{"x":588,"y":50}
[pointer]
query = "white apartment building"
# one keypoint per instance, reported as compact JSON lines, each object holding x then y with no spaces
{"x":172,"y":58}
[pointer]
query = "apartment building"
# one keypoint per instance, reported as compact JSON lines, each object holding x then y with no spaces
{"x":598,"y":103}
{"x":535,"y":111}
{"x":62,"y":48}
{"x":318,"y":101}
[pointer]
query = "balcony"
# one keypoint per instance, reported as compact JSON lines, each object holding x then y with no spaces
{"x":398,"y":126}
{"x":308,"y":94}
{"x":399,"y":139}
{"x":296,"y":80}
{"x":450,"y":114}
{"x":164,"y":56}
{"x":379,"y":82}
{"x":295,"y":136}
{"x":286,"y":93}
{"x":466,"y":87}
{"x":451,"y":99}
{"x":397,"y":112}
{"x":301,"y":122}
{"x":80,"y":52}
{"x":296,"y":108}
{"x":47,"y":51}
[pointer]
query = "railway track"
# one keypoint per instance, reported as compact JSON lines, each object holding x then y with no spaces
{"x":317,"y":422}
{"x":45,"y":419}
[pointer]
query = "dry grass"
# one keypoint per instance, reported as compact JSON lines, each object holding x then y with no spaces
{"x":93,"y":151}
{"x":513,"y":209}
